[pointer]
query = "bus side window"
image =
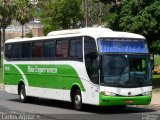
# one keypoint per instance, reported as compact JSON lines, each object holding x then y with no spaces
{"x":90,"y":61}
{"x":76,"y":48}
{"x":62,"y":48}
{"x":8,"y":51}
{"x":16,"y":51}
{"x":37,"y":49}
{"x":49,"y":49}
{"x":26,"y":50}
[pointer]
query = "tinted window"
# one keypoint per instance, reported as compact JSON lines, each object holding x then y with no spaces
{"x":49,"y":49}
{"x":8,"y":51}
{"x":76,"y":48}
{"x":37,"y":49}
{"x":89,"y":45}
{"x":62,"y":49}
{"x":26,"y":50}
{"x":16,"y":50}
{"x":91,"y":59}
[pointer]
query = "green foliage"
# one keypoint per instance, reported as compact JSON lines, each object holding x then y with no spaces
{"x":24,"y":10}
{"x":6,"y":13}
{"x":156,"y":82}
{"x":59,"y":14}
{"x":139,"y":17}
{"x":71,"y":13}
{"x":97,"y":12}
{"x":50,"y":15}
{"x":29,"y":34}
{"x":156,"y":60}
{"x":155,"y":46}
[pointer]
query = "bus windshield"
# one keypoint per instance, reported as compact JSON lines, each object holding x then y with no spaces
{"x":125,"y":71}
{"x":125,"y":62}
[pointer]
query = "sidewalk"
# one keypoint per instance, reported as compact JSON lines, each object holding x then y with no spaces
{"x":155,"y":103}
{"x":1,"y":87}
{"x":156,"y":98}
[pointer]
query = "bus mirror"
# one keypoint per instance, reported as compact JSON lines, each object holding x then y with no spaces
{"x":152,"y":61}
{"x":152,"y":64}
{"x":95,"y":55}
{"x":96,"y":59}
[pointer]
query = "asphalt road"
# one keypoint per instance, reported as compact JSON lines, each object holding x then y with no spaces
{"x":41,"y":109}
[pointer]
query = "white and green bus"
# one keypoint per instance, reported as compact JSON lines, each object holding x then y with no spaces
{"x":94,"y":66}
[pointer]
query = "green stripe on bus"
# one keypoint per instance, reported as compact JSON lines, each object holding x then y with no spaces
{"x":44,"y":76}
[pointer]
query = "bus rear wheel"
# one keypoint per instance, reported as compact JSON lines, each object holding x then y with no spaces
{"x":22,"y":94}
{"x":77,"y":100}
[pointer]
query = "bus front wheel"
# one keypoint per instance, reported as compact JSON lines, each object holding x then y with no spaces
{"x":22,"y":94}
{"x":77,"y":100}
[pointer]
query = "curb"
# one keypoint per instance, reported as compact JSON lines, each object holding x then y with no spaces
{"x":154,"y":106}
{"x":1,"y":86}
{"x":150,"y":106}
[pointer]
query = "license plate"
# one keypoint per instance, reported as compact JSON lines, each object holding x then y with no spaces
{"x":129,"y":101}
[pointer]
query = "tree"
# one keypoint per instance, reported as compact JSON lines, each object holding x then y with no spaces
{"x":6,"y":15}
{"x":59,"y":14}
{"x":6,"y":12}
{"x":71,"y":13}
{"x":94,"y":12}
{"x":117,"y":2}
{"x":137,"y":16}
{"x":50,"y":15}
{"x":24,"y":12}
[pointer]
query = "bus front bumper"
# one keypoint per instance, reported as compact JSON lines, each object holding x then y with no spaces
{"x":124,"y":100}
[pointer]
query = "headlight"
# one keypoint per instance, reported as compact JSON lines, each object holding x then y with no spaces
{"x":108,"y":93}
{"x":147,"y":93}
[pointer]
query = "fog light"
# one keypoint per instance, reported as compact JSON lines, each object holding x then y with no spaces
{"x":147,"y":93}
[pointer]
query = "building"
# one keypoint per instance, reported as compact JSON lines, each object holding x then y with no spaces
{"x":34,"y":1}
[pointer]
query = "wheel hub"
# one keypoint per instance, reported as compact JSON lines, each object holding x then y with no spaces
{"x":22,"y":94}
{"x":77,"y":100}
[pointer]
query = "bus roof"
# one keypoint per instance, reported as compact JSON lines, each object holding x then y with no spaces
{"x":95,"y":32}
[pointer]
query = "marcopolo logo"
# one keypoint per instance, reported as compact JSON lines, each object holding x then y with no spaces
{"x":36,"y":69}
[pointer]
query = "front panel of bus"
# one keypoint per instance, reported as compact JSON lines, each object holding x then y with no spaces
{"x":125,"y":71}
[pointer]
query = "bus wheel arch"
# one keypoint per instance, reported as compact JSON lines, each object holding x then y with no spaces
{"x":76,"y":97}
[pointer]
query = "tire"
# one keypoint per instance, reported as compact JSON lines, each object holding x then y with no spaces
{"x":22,"y":94}
{"x":77,"y":100}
